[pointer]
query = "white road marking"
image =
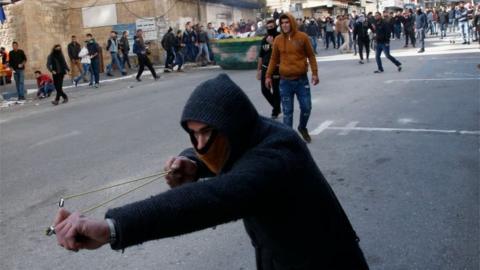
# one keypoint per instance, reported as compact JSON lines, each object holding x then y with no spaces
{"x":406,"y":121}
{"x":436,"y":79}
{"x":348,"y":128}
{"x":56,"y":138}
{"x":411,"y":130}
{"x":321,"y":128}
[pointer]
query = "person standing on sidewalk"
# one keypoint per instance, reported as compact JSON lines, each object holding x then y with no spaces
{"x":73,"y":49}
{"x":179,"y":57}
{"x":290,"y":52}
{"x":271,"y":95}
{"x":112,"y":47}
{"x":329,"y":36}
{"x":382,"y":35}
{"x":202,"y":44}
{"x":124,"y":47}
{"x":344,"y":30}
{"x":409,"y":28}
{"x":443,"y":20}
{"x":86,"y":61}
{"x":360,"y":35}
{"x":421,"y":25}
{"x":57,"y":65}
{"x":93,"y":52}
{"x":17,"y":60}
{"x":140,"y":50}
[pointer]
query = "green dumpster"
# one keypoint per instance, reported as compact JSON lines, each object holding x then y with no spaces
{"x":238,"y":53}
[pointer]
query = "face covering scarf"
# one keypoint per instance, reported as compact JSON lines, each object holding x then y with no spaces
{"x":215,"y":152}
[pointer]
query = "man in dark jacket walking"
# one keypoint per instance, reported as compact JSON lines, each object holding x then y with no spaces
{"x":168,"y":43}
{"x":360,"y":35}
{"x":73,"y":49}
{"x":251,"y":162}
{"x":94,"y":52}
{"x":382,"y":35}
{"x":140,"y":50}
{"x":273,"y":95}
{"x":313,"y":32}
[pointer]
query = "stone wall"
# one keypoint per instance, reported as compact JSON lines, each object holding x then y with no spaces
{"x":14,"y":28}
{"x":39,"y":24}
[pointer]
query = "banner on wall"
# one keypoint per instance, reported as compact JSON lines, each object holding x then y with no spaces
{"x":149,"y":28}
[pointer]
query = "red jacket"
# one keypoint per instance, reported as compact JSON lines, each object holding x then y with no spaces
{"x":43,"y":80}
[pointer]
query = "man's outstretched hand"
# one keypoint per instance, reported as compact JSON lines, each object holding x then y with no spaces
{"x":182,"y":170}
{"x":75,"y":232}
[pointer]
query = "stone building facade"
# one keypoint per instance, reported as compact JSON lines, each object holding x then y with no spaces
{"x":37,"y":25}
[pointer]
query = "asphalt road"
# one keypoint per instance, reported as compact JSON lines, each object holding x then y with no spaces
{"x":401,"y":151}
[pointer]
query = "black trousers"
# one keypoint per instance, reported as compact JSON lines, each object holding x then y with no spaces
{"x":272,"y":96}
{"x":409,"y":33}
{"x":143,"y":61}
{"x":58,"y":82}
{"x":170,"y":58}
{"x":361,"y":44}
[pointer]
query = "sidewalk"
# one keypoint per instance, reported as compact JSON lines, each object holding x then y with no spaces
{"x":9,"y":93}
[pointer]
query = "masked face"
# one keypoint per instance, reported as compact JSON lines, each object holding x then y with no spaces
{"x":211,"y":147}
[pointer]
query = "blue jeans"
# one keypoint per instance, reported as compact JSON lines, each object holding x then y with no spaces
{"x":301,"y":88}
{"x":463,"y":26}
{"x":385,"y":47}
{"x":19,"y":76}
{"x":86,"y":68}
{"x":46,"y":89}
{"x":313,"y":41}
{"x":421,"y":37}
{"x":116,"y":61}
{"x":397,"y":30}
{"x":340,"y":39}
{"x":179,"y":59}
{"x":202,"y":47}
{"x":96,"y":69}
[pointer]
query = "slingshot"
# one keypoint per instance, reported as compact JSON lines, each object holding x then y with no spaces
{"x":154,"y":177}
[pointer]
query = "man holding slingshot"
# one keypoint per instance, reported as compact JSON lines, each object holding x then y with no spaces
{"x":259,"y":170}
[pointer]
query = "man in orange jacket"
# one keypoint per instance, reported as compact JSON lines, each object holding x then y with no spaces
{"x":291,"y":50}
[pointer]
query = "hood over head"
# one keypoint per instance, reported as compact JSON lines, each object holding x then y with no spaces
{"x":221,"y":104}
{"x":293,"y":23}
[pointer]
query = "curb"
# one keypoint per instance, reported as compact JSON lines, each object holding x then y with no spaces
{"x":31,"y":91}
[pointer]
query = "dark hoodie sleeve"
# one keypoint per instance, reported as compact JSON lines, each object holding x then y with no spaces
{"x":249,"y":188}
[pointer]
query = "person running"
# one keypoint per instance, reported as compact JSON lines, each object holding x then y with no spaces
{"x":273,"y":95}
{"x":290,"y":52}
{"x":360,"y":35}
{"x":57,"y":65}
{"x":382,"y":35}
{"x":140,"y":50}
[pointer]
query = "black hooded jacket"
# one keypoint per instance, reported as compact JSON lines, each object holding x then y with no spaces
{"x":270,"y":181}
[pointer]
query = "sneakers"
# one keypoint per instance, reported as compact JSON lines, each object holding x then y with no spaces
{"x":305,"y":135}
{"x":55,"y":102}
{"x":65,"y":100}
{"x":138,"y":79}
{"x":360,"y":62}
{"x":96,"y":85}
{"x":109,"y":74}
{"x":421,"y":50}
{"x":378,"y":71}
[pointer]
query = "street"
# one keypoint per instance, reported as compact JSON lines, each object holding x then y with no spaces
{"x":400,"y":149}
